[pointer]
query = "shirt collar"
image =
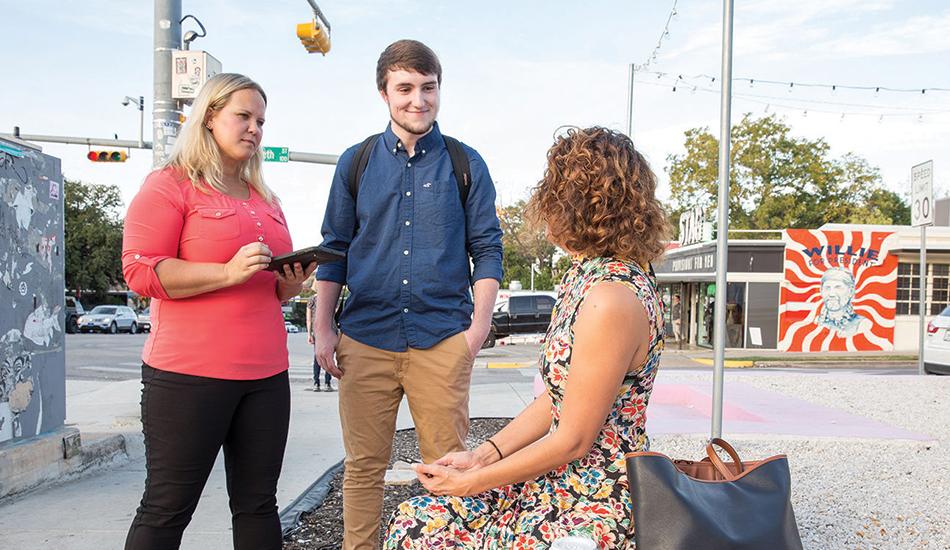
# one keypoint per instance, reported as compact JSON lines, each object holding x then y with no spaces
{"x":427,"y":144}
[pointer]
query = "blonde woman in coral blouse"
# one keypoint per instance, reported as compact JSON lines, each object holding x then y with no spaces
{"x":198,"y":237}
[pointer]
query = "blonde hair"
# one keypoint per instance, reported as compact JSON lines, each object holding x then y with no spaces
{"x":196,"y":153}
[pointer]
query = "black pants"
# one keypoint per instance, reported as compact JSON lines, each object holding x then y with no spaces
{"x":186,"y":421}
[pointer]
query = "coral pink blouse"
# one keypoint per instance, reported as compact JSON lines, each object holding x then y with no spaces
{"x":234,"y":333}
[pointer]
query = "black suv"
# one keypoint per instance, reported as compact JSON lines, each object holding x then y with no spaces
{"x":521,"y":313}
{"x":74,"y":310}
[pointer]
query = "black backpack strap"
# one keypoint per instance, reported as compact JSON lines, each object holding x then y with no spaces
{"x":460,"y":166}
{"x":358,"y":166}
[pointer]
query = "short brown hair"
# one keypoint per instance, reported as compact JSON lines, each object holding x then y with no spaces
{"x":408,"y":55}
{"x":598,"y":198}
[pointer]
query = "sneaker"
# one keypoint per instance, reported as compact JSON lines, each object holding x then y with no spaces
{"x":315,"y":387}
{"x":329,"y":388}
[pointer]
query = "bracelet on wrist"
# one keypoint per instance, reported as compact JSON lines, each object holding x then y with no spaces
{"x":497,"y":450}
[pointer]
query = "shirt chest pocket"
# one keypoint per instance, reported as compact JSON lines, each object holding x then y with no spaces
{"x":278,"y":231}
{"x":439,"y":203}
{"x":218,"y":224}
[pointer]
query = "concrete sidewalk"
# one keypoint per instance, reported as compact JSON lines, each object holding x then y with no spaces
{"x":94,"y":512}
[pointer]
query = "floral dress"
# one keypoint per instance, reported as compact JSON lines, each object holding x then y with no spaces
{"x":586,"y":497}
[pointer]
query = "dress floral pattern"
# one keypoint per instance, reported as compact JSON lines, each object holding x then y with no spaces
{"x":588,"y":496}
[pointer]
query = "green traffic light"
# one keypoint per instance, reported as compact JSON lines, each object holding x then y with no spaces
{"x":116,"y":156}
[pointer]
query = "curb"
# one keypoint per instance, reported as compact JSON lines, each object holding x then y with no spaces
{"x":309,"y":500}
{"x":60,"y":456}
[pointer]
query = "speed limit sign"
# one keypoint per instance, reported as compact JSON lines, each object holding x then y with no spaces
{"x":922,"y":194}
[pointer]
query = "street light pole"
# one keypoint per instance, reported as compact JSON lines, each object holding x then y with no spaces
{"x":630,"y":103}
{"x":140,"y":103}
{"x":722,"y":236}
{"x":165,"y":110}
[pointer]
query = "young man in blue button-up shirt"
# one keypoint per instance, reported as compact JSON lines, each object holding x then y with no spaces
{"x":409,"y":326}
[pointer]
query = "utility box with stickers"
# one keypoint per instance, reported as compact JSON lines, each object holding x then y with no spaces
{"x":32,"y":293}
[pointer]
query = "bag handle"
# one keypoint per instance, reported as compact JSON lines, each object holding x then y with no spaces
{"x":718,"y":463}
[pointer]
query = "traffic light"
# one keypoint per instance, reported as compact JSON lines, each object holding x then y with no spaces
{"x":314,"y":37}
{"x":107,"y":156}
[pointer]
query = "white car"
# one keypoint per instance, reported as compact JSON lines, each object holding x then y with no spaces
{"x":111,"y":319}
{"x":291,"y":328}
{"x":937,"y":344}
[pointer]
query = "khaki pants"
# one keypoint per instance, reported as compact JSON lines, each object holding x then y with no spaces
{"x":435,"y":381}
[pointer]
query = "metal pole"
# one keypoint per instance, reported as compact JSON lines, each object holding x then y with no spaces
{"x":141,"y":121}
{"x":295,"y":156}
{"x":923,"y":298}
{"x":165,"y":110}
{"x":630,"y":103}
{"x":124,"y":143}
{"x":722,"y":237}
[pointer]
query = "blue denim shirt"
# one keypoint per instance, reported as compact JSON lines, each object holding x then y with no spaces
{"x":408,"y":242}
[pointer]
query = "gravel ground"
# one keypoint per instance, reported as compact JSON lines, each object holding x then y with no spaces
{"x":847,"y":493}
{"x":867,"y":494}
{"x":323,"y":528}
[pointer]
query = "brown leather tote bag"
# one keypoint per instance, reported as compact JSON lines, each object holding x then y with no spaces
{"x":711,"y":504}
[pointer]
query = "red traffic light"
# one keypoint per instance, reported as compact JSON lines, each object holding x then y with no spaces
{"x":107,"y":156}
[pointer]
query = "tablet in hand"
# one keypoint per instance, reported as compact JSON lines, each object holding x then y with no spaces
{"x":306,"y":256}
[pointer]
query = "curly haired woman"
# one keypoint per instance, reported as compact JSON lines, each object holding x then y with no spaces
{"x":558,"y":468}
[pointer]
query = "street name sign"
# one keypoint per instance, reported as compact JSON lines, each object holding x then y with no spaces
{"x":276,"y":154}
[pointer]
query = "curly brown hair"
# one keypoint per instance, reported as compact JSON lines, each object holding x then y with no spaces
{"x":598,"y":198}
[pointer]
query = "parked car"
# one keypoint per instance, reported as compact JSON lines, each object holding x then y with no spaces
{"x":111,"y":319}
{"x":521,"y":313}
{"x":937,"y":344}
{"x":291,"y":328}
{"x":144,"y":320}
{"x":74,"y":310}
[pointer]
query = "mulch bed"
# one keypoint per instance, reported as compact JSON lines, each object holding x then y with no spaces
{"x":322,"y":528}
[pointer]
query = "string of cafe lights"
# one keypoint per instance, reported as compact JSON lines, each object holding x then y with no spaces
{"x":807,"y":106}
{"x":659,"y":43}
{"x":790,"y":86}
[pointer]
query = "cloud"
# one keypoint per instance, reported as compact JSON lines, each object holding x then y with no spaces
{"x":915,"y":36}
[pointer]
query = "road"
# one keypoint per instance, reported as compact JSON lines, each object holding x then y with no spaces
{"x":116,"y":357}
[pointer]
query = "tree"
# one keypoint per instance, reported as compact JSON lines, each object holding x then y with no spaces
{"x":524,"y":242}
{"x":780,"y":181}
{"x":93,"y":234}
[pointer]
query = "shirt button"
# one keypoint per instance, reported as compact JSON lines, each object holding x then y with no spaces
{"x":252,"y":212}
{"x":405,"y":282}
{"x":408,"y":165}
{"x":217,"y":214}
{"x":407,"y":222}
{"x":258,"y":224}
{"x":137,"y":256}
{"x":243,"y":204}
{"x":405,"y":310}
{"x":260,"y":239}
{"x":408,"y":193}
{"x":423,"y":151}
{"x":405,"y":252}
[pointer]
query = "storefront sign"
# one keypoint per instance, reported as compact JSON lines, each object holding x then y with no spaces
{"x":701,"y":261}
{"x":839,"y":291}
{"x":693,"y":226}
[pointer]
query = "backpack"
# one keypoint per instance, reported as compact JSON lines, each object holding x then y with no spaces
{"x":460,"y":166}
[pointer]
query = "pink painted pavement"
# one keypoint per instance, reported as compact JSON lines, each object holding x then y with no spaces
{"x":686,"y":407}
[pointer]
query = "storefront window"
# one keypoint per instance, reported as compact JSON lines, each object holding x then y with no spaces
{"x":672,"y":296}
{"x":908,"y":288}
{"x":735,"y":315}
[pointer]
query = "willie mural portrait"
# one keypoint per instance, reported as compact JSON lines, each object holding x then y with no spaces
{"x":839,"y":291}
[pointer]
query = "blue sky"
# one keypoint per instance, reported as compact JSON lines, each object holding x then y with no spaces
{"x":514,"y":72}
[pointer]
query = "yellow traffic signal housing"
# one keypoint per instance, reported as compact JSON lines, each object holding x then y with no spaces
{"x":107,"y":156}
{"x":314,"y":37}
